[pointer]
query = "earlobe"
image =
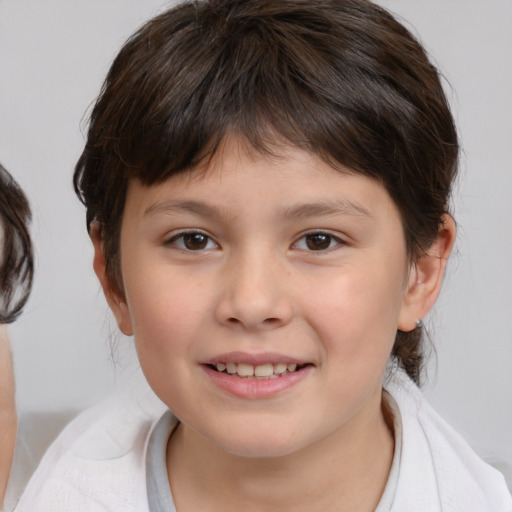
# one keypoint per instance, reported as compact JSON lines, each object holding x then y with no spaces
{"x":115,"y":299}
{"x":426,"y":277}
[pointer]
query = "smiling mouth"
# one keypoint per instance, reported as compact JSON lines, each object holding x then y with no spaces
{"x":260,"y":372}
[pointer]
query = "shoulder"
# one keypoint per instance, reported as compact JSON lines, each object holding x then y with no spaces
{"x":438,"y":469}
{"x":97,"y":463}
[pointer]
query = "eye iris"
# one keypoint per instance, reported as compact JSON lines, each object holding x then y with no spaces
{"x":318,"y":241}
{"x":195,"y":241}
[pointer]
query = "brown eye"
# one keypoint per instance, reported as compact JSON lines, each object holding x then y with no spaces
{"x":318,"y":241}
{"x":195,"y":241}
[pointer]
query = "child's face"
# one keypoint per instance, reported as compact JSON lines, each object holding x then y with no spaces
{"x":264,"y":261}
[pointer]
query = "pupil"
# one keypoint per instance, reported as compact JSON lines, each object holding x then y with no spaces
{"x":195,"y":241}
{"x":318,"y":241}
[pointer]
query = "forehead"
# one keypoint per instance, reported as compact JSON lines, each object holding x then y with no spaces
{"x":287,"y":183}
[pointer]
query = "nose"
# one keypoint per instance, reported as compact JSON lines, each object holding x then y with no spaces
{"x":255,"y":293}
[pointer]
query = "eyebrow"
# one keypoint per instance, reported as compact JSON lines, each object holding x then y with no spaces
{"x":326,"y":208}
{"x":194,"y":207}
{"x":300,"y":211}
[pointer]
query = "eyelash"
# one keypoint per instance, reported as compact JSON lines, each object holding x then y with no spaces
{"x":332,"y":241}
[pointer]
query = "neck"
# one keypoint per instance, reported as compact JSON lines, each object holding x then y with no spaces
{"x":345,"y":471}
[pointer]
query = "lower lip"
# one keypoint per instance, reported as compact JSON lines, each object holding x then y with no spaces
{"x":254,"y":389}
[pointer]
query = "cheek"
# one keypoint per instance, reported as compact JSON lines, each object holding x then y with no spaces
{"x":357,"y":312}
{"x":165,"y":309}
{"x":166,"y":322}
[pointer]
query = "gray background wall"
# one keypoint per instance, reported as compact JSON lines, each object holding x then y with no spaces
{"x":53,"y":57}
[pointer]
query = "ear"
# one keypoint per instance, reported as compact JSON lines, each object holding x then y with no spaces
{"x":115,"y":298}
{"x":426,"y":277}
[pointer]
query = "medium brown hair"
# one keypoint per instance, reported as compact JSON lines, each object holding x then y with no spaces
{"x":339,"y":78}
{"x":16,"y":256}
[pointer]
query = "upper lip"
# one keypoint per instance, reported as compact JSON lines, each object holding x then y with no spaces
{"x":255,"y":359}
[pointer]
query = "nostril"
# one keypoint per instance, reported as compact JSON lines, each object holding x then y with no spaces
{"x":267,"y":321}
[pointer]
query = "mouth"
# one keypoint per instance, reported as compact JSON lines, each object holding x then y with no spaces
{"x":257,"y":376}
{"x":266,"y":371}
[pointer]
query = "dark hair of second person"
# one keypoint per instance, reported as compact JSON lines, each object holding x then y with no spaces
{"x":16,"y":255}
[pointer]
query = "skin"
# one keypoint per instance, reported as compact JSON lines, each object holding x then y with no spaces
{"x":8,"y":417}
{"x":262,"y":287}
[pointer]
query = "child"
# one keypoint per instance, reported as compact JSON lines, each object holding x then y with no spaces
{"x":16,"y":273}
{"x":266,"y":186}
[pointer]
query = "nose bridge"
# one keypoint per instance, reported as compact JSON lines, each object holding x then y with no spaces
{"x":253,"y":295}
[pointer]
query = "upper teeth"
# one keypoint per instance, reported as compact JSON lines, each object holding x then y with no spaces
{"x":262,"y":370}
